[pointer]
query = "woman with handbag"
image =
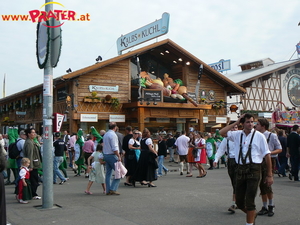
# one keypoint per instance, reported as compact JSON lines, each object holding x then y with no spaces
{"x":190,"y":156}
{"x":147,"y":164}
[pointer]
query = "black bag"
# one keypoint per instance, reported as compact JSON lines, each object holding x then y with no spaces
{"x":195,"y":152}
{"x":131,"y":156}
{"x":13,"y":151}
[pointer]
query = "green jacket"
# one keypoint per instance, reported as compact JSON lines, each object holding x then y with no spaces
{"x":32,"y":151}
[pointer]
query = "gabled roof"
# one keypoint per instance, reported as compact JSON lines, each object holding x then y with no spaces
{"x":166,"y":44}
{"x":253,"y":74}
{"x":178,"y":51}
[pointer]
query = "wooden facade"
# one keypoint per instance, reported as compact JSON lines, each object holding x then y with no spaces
{"x":73,"y":97}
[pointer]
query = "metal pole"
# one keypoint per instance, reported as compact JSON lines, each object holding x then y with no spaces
{"x":47,"y":127}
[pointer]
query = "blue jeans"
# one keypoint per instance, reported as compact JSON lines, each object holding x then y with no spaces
{"x":110,"y":165}
{"x":4,"y":174}
{"x":71,"y":159}
{"x":57,"y":160}
{"x":282,"y":165}
{"x":19,"y":162}
{"x":161,"y":165}
{"x":171,"y":153}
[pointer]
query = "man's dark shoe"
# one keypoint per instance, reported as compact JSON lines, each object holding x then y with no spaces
{"x":271,"y":210}
{"x":290,"y":176}
{"x":181,"y":173}
{"x":263,"y":211}
{"x":232,"y":208}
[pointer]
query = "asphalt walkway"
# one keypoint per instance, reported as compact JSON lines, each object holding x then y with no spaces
{"x":176,"y":200}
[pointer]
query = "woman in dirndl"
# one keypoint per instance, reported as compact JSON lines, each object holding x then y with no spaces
{"x":201,"y":155}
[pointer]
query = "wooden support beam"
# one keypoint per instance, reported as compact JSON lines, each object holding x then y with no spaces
{"x":200,"y":121}
{"x":141,"y":116}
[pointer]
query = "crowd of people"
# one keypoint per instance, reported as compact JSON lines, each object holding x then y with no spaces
{"x":252,"y":156}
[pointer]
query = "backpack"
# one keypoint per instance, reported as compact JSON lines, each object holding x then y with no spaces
{"x":13,"y":151}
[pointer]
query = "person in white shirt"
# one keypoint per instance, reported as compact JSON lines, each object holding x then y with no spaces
{"x":111,"y":155}
{"x":182,"y":143}
{"x":266,"y":191}
{"x":250,"y":149}
{"x":227,"y":147}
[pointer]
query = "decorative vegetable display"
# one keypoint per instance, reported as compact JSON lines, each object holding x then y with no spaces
{"x":169,"y":87}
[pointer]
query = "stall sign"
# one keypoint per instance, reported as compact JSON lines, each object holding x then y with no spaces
{"x":163,"y":120}
{"x":221,"y":120}
{"x":88,"y":117}
{"x":103,"y":88}
{"x":117,"y":118}
{"x":152,"y":95}
{"x":143,"y":34}
{"x":62,"y":93}
{"x":265,"y":115}
{"x":20,"y":113}
{"x":221,"y":66}
{"x":58,"y":120}
{"x":205,"y":119}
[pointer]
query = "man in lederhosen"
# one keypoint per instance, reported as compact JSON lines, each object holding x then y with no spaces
{"x":266,"y":191}
{"x":250,"y":149}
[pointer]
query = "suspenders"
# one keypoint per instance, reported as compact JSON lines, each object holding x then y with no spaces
{"x":269,"y":137}
{"x":248,"y":154}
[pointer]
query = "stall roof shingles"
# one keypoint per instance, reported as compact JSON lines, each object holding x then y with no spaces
{"x":253,"y":74}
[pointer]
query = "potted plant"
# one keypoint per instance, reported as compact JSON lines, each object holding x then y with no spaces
{"x":115,"y":103}
{"x":92,"y":98}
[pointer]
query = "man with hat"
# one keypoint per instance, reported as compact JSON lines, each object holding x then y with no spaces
{"x":59,"y":148}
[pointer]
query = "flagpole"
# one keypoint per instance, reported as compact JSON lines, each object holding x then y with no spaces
{"x":3,"y":91}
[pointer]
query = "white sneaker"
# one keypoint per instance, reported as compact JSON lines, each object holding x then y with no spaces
{"x":23,"y":202}
{"x":37,"y":198}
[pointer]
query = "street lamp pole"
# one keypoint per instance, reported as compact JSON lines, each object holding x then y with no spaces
{"x":47,"y":125}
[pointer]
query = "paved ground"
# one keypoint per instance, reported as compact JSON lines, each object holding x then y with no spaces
{"x":176,"y":200}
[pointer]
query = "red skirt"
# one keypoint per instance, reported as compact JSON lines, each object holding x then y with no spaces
{"x":202,"y":156}
{"x":190,"y":156}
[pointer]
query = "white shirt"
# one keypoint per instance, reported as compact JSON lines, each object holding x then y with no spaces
{"x":110,"y":142}
{"x":23,"y":172}
{"x":148,"y":141}
{"x":198,"y":141}
{"x":223,"y":148}
{"x":274,"y":142}
{"x":131,"y":142}
{"x":259,"y":145}
{"x":182,"y":144}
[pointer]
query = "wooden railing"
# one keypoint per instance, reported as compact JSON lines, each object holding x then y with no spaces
{"x":98,"y":107}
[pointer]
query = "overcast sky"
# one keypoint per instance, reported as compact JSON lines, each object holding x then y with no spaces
{"x":238,"y":30}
